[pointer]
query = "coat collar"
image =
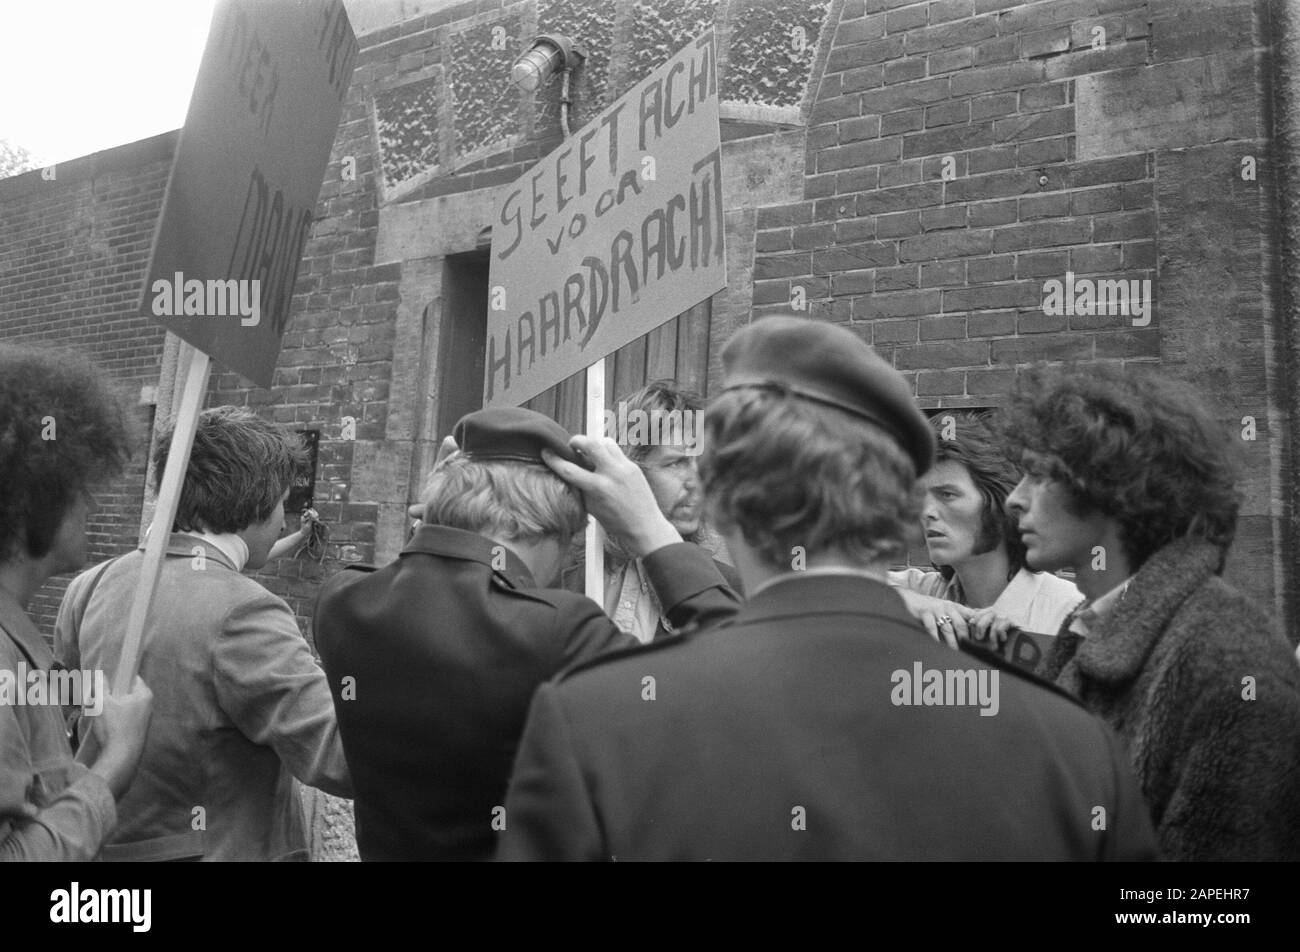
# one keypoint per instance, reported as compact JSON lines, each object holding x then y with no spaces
{"x":798,"y":596}
{"x":470,"y":547}
{"x":183,"y":543}
{"x":1118,"y":647}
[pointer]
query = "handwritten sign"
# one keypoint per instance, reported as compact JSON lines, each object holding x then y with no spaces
{"x":617,"y":231}
{"x":246,"y":175}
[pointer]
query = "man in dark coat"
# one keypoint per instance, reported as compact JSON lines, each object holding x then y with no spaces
{"x":821,"y":722}
{"x":432,"y":659}
{"x":1131,"y":483}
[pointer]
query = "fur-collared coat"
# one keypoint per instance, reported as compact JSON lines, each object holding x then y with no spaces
{"x":1204,"y":689}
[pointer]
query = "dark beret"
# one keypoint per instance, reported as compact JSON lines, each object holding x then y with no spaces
{"x":511,"y":433}
{"x":832,"y":366}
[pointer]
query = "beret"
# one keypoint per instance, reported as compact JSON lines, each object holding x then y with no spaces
{"x":511,"y":433}
{"x":832,"y":366}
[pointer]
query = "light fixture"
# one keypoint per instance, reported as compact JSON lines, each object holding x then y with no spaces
{"x":549,"y":52}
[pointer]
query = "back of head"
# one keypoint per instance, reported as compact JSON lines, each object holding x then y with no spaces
{"x":496,"y":485}
{"x":813,"y":445}
{"x":503,"y":499}
{"x":792,"y":476}
{"x":61,"y":429}
{"x":240,"y":468}
{"x":1133,"y":446}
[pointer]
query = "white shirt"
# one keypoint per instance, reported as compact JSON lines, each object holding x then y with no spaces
{"x":228,"y":544}
{"x":630,"y":600}
{"x":1094,"y":612}
{"x":1034,"y":601}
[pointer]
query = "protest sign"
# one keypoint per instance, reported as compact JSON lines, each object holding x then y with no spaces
{"x":237,"y":211}
{"x":245,"y":178}
{"x":617,"y":231}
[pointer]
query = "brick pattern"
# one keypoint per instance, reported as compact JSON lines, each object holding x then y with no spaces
{"x":943,"y":187}
{"x":335,"y":367}
{"x":73,"y":253}
{"x":72,"y":256}
{"x":942,"y":191}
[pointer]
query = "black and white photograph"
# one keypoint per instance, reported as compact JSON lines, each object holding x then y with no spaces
{"x":642,"y":431}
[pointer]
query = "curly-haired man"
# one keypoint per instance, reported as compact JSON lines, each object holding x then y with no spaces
{"x":786,"y":732}
{"x":61,"y":432}
{"x":1129,"y":482}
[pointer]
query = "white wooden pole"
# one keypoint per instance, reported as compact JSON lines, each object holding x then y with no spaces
{"x":595,"y":582}
{"x":169,"y":494}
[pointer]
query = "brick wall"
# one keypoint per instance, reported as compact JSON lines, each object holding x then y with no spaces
{"x":961,"y":153}
{"x":430,"y":129}
{"x":915,"y":171}
{"x":73,"y":249}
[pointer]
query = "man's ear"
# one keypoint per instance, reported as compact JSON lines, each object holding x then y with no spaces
{"x":446,"y":449}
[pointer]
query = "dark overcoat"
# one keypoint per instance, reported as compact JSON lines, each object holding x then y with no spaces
{"x":432,"y":661}
{"x":781,"y":735}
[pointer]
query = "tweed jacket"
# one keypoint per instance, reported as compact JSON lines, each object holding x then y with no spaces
{"x":241,"y":708}
{"x":1204,"y":690}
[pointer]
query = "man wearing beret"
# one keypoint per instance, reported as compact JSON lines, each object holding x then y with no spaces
{"x":820,"y":722}
{"x":433,"y":658}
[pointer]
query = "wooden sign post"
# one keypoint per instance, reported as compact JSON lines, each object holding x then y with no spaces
{"x":169,"y":495}
{"x":616,"y":232}
{"x":594,"y":581}
{"x":237,"y":211}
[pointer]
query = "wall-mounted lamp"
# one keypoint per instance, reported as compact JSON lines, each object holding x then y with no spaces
{"x":550,"y":52}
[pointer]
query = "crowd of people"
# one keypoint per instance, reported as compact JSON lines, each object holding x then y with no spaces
{"x":762,"y":677}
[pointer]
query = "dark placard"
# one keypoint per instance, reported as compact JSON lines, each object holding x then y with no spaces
{"x":1024,"y":648}
{"x":246,"y":175}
